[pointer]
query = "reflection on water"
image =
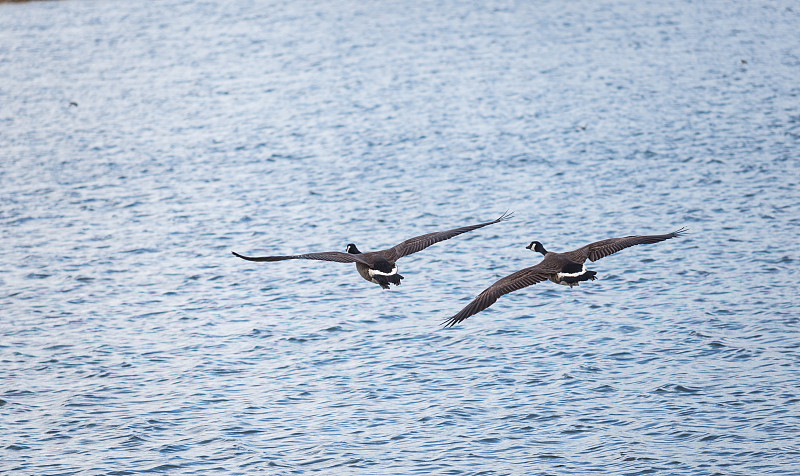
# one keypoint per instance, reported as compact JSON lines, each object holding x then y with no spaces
{"x":141,"y":149}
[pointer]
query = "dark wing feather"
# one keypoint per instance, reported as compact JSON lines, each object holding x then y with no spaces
{"x":513,"y":282}
{"x":419,"y":243}
{"x":324,"y":256}
{"x":601,"y":249}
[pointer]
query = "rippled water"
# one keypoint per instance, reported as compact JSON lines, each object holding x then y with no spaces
{"x":142,"y":142}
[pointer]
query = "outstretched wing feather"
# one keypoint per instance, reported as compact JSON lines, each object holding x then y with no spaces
{"x":601,"y":249}
{"x":337,"y":256}
{"x":419,"y":243}
{"x":513,"y":282}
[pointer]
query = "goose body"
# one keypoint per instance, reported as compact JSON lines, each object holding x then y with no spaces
{"x":381,"y":271}
{"x":568,"y":269}
{"x":380,"y":267}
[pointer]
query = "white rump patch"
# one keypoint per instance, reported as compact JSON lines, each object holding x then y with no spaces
{"x":373,"y":272}
{"x":561,"y":276}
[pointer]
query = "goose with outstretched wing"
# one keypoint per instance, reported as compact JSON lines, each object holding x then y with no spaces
{"x":561,"y":268}
{"x":380,"y":267}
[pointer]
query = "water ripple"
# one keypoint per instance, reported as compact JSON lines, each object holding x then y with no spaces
{"x":144,"y":151}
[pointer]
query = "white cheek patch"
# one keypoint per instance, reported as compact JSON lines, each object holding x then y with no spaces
{"x":373,"y":272}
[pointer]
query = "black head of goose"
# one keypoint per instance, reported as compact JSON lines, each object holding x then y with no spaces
{"x":561,"y":268}
{"x":380,"y":267}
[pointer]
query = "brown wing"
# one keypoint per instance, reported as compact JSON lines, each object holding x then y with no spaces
{"x":419,"y":243}
{"x":324,"y":256}
{"x":601,"y":249}
{"x":513,"y":282}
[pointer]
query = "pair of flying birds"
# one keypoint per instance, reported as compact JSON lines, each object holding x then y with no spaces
{"x":380,"y":267}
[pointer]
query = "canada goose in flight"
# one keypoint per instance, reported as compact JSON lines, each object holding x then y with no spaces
{"x":561,"y":268}
{"x":380,"y":267}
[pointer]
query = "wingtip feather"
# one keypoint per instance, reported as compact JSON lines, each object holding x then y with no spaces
{"x":682,"y":231}
{"x":450,"y":322}
{"x":505,"y":216}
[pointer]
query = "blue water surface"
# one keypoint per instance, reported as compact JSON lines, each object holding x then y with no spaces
{"x":142,"y":142}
